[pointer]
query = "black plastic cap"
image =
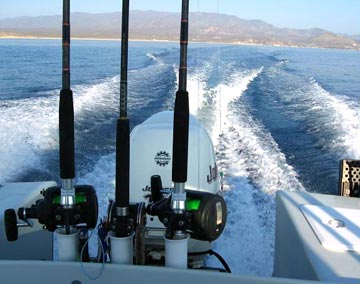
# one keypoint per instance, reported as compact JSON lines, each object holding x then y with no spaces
{"x":156,"y":187}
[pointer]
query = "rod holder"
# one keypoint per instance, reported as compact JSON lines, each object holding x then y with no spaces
{"x":121,"y":248}
{"x":176,"y":252}
{"x":68,"y":244}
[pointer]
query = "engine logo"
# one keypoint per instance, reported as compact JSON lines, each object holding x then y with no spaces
{"x":162,"y":158}
{"x":213,"y":174}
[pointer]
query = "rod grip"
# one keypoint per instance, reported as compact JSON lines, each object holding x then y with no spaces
{"x":122,"y":162}
{"x":66,"y":135}
{"x":180,"y":137}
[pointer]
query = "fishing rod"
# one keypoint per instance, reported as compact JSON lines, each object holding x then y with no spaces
{"x":66,"y":120}
{"x":177,"y":219}
{"x":182,"y":217}
{"x":121,"y":223}
{"x":181,"y":119}
{"x":173,"y":214}
{"x":66,"y":208}
{"x":78,"y":203}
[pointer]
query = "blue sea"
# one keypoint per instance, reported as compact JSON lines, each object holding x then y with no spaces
{"x":280,"y":119}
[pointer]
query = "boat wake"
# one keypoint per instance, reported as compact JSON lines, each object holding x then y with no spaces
{"x":29,"y":135}
{"x":27,"y":131}
{"x":332,"y":116}
{"x":331,"y":119}
{"x":254,"y":169}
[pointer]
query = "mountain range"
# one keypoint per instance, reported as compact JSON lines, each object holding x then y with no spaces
{"x":152,"y":25}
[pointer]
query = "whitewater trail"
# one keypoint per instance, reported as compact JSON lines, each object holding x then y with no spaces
{"x":27,"y":130}
{"x":334,"y":114}
{"x":254,"y":169}
{"x":331,"y":118}
{"x":30,"y":126}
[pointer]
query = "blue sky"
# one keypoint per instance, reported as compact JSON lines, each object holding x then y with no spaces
{"x":341,"y":16}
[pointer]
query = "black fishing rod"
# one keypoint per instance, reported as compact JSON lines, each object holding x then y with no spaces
{"x":181,"y":114}
{"x":121,"y":206}
{"x":65,"y":206}
{"x":66,"y":119}
{"x":70,"y":194}
{"x":66,"y":110}
{"x":205,"y":223}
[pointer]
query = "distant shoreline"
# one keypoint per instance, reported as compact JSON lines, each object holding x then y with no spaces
{"x":211,"y":28}
{"x":57,"y":38}
{"x":170,"y":41}
{"x":115,"y":39}
{"x":136,"y":39}
{"x":80,"y":38}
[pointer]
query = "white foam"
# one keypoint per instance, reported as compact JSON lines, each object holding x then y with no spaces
{"x":229,"y":93}
{"x":103,"y":95}
{"x":151,"y":56}
{"x":196,"y":88}
{"x":102,"y":177}
{"x":30,"y":126}
{"x":332,"y":118}
{"x":339,"y":115}
{"x":254,"y":170}
{"x":27,"y":130}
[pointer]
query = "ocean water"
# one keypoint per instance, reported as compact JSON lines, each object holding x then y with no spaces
{"x":280,"y":119}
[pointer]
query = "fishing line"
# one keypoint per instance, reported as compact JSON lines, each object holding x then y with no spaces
{"x":221,"y":174}
{"x":103,"y":259}
{"x":198,"y":96}
{"x":219,"y":69}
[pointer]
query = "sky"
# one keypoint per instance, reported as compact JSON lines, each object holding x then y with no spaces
{"x":340,"y":16}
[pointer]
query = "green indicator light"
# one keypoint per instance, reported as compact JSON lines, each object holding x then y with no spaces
{"x":192,"y":204}
{"x":79,"y":198}
{"x":56,"y":199}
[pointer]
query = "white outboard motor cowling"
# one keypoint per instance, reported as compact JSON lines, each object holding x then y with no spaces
{"x":151,"y":154}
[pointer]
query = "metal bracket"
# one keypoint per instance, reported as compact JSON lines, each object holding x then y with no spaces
{"x":349,"y":178}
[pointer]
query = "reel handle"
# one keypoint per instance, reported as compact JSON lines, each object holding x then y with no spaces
{"x":11,"y":227}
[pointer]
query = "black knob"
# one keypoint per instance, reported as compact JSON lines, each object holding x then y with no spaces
{"x":11,"y":228}
{"x":156,"y":187}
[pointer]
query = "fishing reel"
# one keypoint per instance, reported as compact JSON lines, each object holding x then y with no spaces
{"x":204,"y":217}
{"x":125,"y":226}
{"x":121,"y":226}
{"x":50,"y":213}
